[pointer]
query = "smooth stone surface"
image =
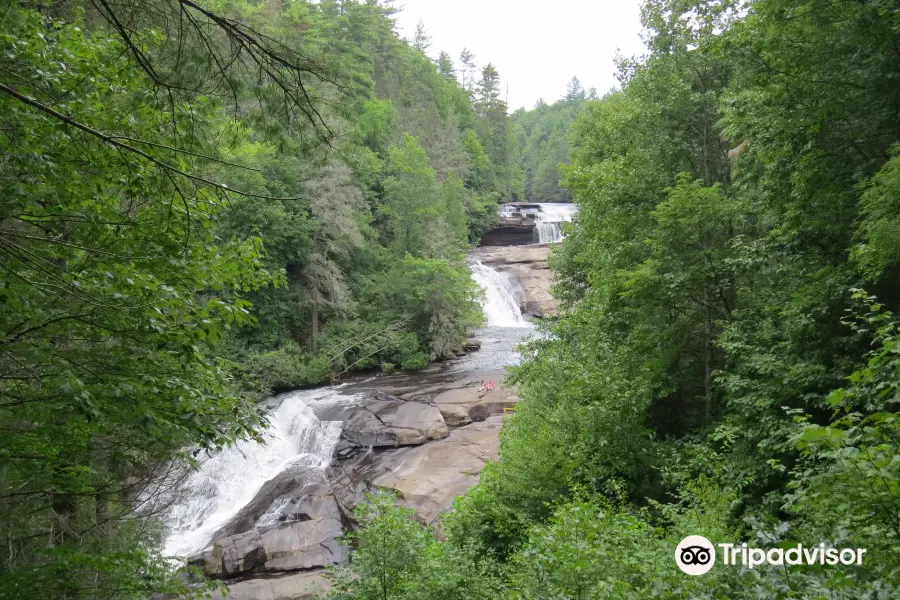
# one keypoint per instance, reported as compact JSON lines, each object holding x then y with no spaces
{"x":462,"y":406}
{"x":431,"y":476}
{"x":300,"y":586}
{"x":455,"y":415}
{"x":294,"y":482}
{"x":386,"y":421}
{"x":301,"y":544}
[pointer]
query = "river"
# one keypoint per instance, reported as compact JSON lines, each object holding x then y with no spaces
{"x":301,"y":437}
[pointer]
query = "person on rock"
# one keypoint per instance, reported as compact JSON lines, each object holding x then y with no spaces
{"x":482,"y":387}
{"x":490,"y":386}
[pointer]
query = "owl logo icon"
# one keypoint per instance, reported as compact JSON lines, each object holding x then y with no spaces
{"x":695,"y":555}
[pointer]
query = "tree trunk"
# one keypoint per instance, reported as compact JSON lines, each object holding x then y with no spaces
{"x":315,"y":327}
{"x":707,"y":375}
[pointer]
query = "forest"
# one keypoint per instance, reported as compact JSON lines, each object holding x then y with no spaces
{"x":208,"y":202}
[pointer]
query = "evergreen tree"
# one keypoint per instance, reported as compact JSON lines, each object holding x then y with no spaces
{"x":421,"y":39}
{"x":574,"y":90}
{"x":488,"y":91}
{"x":446,"y":67}
{"x":467,"y":70}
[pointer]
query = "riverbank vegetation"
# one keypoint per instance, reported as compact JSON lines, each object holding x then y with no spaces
{"x":207,"y":201}
{"x":203,"y":202}
{"x":725,"y":363}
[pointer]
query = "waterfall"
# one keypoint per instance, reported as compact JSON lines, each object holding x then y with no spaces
{"x":500,"y":306}
{"x":549,"y":220}
{"x":209,"y":497}
{"x":227,"y":481}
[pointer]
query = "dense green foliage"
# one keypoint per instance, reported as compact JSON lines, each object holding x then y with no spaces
{"x":543,"y":145}
{"x":207,"y":201}
{"x":726,"y":362}
{"x":203,"y":202}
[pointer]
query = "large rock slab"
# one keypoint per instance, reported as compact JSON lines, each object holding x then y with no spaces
{"x":309,"y":541}
{"x":300,"y":586}
{"x":427,"y":477}
{"x":286,"y":497}
{"x":430,"y":477}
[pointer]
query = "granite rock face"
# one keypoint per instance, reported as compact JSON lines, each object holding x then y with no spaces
{"x":308,"y":541}
{"x":428,"y":478}
{"x":386,"y":421}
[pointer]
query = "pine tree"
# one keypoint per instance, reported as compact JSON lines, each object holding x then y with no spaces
{"x":467,"y":62}
{"x":446,"y":67}
{"x":489,"y":90}
{"x":421,"y":41}
{"x":574,"y":90}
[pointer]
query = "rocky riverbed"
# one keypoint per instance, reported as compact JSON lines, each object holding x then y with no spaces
{"x":267,"y":519}
{"x":429,"y":444}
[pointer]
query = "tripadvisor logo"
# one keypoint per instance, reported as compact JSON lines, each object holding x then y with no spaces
{"x":696,"y":555}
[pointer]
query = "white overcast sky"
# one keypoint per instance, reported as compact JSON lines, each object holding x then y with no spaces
{"x":537,"y":46}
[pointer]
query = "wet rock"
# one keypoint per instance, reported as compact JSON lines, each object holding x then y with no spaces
{"x":386,"y":421}
{"x":471,"y":345}
{"x":293,"y":483}
{"x":352,"y":478}
{"x":305,"y":537}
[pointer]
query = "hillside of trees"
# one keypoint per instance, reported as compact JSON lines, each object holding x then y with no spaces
{"x":541,"y":135}
{"x":203,"y":203}
{"x":726,"y":362}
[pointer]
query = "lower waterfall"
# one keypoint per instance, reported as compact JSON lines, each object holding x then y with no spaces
{"x":210,"y":497}
{"x":227,"y":481}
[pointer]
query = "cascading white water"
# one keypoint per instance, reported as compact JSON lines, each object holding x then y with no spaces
{"x":229,"y":480}
{"x":549,"y":220}
{"x":501,"y":309}
{"x":210,"y":497}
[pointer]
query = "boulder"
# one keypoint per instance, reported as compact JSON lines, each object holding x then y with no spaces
{"x":307,"y":540}
{"x":455,"y":415}
{"x":483,"y":410}
{"x":421,"y":418}
{"x":386,"y":421}
{"x":304,"y":545}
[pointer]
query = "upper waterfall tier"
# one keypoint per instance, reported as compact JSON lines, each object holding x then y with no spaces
{"x":523,"y":223}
